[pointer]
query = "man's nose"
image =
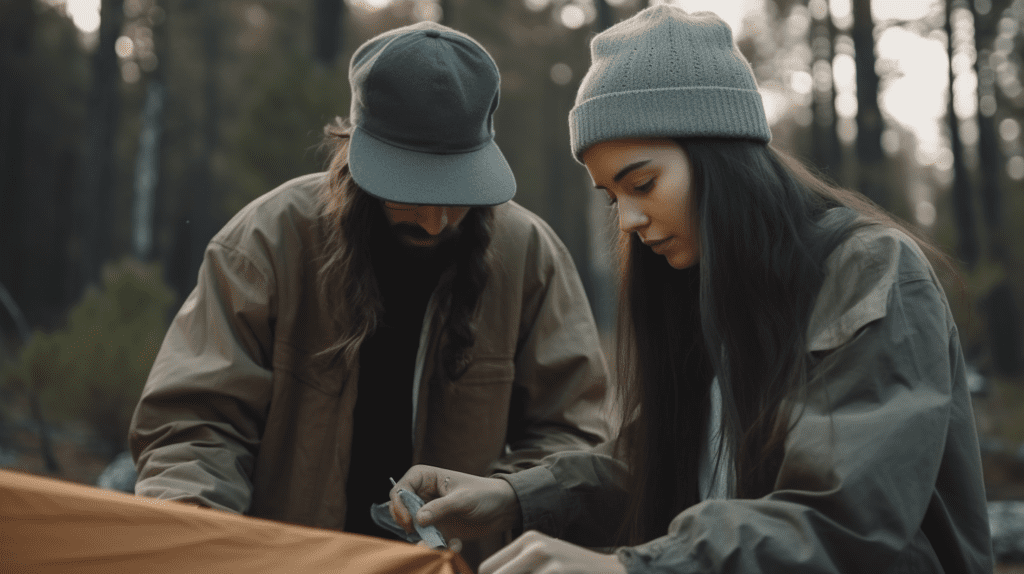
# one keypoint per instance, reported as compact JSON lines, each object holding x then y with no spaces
{"x":433,"y":218}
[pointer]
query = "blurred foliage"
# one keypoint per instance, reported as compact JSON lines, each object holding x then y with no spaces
{"x":244,"y":113}
{"x":1008,"y":395}
{"x":94,"y":368}
{"x":968,"y":292}
{"x":279,"y":133}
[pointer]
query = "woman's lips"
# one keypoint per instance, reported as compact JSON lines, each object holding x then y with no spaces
{"x":655,"y":246}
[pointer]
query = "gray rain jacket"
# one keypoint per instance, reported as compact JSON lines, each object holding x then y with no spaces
{"x":881,"y":473}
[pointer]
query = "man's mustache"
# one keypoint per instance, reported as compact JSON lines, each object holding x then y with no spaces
{"x":416,"y":232}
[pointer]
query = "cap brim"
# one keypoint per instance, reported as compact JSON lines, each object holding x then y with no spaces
{"x":480,"y":177}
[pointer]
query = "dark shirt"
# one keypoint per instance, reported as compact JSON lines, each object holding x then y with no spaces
{"x":382,"y":434}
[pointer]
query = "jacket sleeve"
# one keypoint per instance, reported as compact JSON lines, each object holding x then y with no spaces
{"x":576,"y":495}
{"x":561,"y":376}
{"x":196,"y":429}
{"x":859,"y":467}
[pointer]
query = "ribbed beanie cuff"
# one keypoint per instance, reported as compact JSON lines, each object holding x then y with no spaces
{"x":667,"y":73}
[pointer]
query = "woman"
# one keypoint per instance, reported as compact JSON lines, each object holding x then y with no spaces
{"x":791,"y":374}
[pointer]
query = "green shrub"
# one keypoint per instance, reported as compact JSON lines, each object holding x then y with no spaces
{"x":94,"y":368}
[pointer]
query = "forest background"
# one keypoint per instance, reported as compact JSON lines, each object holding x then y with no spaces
{"x":131,"y":131}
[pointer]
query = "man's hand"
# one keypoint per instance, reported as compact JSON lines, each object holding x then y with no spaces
{"x":461,"y":506}
{"x":536,"y":552}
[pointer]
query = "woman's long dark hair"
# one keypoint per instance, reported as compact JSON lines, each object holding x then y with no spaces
{"x":346,"y":275}
{"x":741,"y":314}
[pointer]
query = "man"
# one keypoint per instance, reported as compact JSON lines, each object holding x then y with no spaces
{"x":399,"y":309}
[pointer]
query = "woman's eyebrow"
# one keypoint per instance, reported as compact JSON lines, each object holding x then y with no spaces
{"x":622,"y":172}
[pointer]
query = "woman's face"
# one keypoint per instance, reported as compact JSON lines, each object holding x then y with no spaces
{"x":650,"y":182}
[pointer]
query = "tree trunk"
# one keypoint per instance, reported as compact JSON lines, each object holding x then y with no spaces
{"x":97,"y":178}
{"x":205,"y":200}
{"x":327,"y":38}
{"x":175,"y":187}
{"x":17,"y":23}
{"x":1005,"y":338}
{"x":871,"y":169}
{"x":147,"y":171}
{"x":167,"y":203}
{"x":989,"y":150}
{"x":149,"y":181}
{"x":963,"y":202}
{"x":605,"y":18}
{"x":565,"y":189}
{"x":825,"y":140}
{"x":1003,"y":315}
{"x":447,"y":12}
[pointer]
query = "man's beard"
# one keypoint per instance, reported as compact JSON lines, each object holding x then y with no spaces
{"x":415,"y":240}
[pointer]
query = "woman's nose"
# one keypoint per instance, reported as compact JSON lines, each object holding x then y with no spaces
{"x":631,"y":217}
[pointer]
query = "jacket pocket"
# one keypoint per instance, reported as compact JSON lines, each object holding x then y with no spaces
{"x":487,"y":371}
{"x":468,"y":418}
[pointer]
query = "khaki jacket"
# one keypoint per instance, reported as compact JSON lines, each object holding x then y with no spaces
{"x":881,"y":472}
{"x":238,"y":414}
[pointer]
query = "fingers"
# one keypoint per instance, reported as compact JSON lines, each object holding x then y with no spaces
{"x":455,"y":545}
{"x":422,"y":480}
{"x":400,"y":514}
{"x":398,"y":510}
{"x":432,"y":485}
{"x":441,"y":508}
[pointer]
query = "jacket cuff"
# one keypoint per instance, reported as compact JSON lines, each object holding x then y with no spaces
{"x":662,"y":554}
{"x":540,"y":498}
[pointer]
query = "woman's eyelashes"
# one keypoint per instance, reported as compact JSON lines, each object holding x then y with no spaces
{"x":642,"y":188}
{"x":646,"y":186}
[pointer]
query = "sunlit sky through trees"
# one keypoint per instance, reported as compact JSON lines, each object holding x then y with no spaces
{"x":914,"y":95}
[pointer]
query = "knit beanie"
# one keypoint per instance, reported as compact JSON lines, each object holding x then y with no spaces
{"x":666,"y":73}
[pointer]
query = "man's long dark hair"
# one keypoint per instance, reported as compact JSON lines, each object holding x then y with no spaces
{"x":741,"y":314}
{"x":346,"y":274}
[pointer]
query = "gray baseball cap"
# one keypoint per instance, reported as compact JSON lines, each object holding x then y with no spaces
{"x":423,"y":102}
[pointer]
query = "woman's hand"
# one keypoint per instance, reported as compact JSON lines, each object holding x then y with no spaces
{"x":536,"y":552}
{"x":461,"y":506}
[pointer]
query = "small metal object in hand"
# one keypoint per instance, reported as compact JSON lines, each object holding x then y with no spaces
{"x":429,"y":534}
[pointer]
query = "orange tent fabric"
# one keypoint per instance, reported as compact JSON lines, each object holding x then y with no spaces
{"x":49,"y":525}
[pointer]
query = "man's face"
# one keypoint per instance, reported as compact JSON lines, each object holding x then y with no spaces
{"x":424,"y":226}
